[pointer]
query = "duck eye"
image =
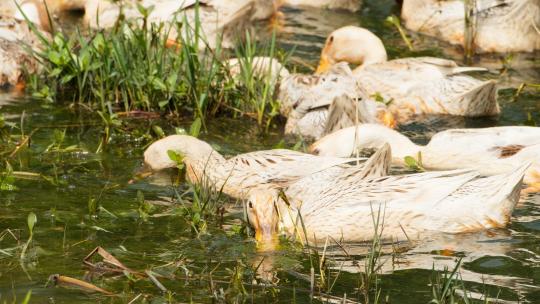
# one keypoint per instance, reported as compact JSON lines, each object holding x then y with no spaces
{"x":331,"y":39}
{"x":250,"y":204}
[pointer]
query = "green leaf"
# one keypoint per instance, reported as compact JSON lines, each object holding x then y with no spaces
{"x":163,"y":104}
{"x":27,"y":297}
{"x":172,"y":155}
{"x":410,"y":161}
{"x":195,"y":128}
{"x":92,"y":206}
{"x":55,"y":57}
{"x":31,"y":221}
{"x":158,"y":130}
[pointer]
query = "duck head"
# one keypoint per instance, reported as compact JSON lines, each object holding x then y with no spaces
{"x":263,"y":214}
{"x":36,"y":12}
{"x":351,"y":44}
{"x":156,"y":156}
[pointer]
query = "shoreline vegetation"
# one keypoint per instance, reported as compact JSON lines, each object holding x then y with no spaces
{"x":133,"y":70}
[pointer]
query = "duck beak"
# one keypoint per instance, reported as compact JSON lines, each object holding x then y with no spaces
{"x":266,"y":240}
{"x":171,"y":43}
{"x":142,"y":173}
{"x":387,"y":119}
{"x":324,"y":64}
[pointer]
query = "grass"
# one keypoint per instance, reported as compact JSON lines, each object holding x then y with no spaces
{"x":131,"y":68}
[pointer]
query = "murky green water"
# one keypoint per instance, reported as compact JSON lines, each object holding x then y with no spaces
{"x":504,"y":262}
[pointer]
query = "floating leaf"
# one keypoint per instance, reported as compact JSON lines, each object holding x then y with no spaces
{"x":31,"y":221}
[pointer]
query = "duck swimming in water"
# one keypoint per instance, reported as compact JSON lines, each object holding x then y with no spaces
{"x":498,"y":25}
{"x":405,"y":207}
{"x":488,"y":150}
{"x":411,"y":86}
{"x":237,"y":175}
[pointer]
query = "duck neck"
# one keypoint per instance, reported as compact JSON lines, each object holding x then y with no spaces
{"x":375,"y":136}
{"x":206,"y":169}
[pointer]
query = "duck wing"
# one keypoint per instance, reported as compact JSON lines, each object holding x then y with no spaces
{"x":394,"y":191}
{"x":480,"y":203}
{"x":428,"y":85}
{"x":281,"y":167}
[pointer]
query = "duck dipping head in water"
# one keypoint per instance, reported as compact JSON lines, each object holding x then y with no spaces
{"x":198,"y":156}
{"x":263,"y":216}
{"x":351,"y":44}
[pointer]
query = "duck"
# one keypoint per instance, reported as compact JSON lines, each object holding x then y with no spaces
{"x":53,"y":6}
{"x":349,"y":5}
{"x":331,"y":90}
{"x":395,"y":207}
{"x":237,"y":175}
{"x":16,"y":35}
{"x":319,"y":104}
{"x":501,"y":26}
{"x":218,"y":18}
{"x":409,"y":86}
{"x":489,"y":151}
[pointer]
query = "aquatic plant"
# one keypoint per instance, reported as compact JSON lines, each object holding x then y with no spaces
{"x":135,"y":68}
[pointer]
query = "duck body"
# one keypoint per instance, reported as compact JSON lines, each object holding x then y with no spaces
{"x":319,"y":104}
{"x":408,"y":203}
{"x":237,"y":175}
{"x":488,"y":150}
{"x":217,"y":17}
{"x":428,"y":85}
{"x":350,"y":5}
{"x":410,"y":86}
{"x":406,"y":207}
{"x":501,"y":25}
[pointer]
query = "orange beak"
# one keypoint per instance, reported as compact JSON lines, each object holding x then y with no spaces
{"x":324,"y":64}
{"x":20,"y":86}
{"x":171,"y":43}
{"x":387,"y":119}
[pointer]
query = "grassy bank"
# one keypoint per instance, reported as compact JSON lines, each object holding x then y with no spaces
{"x":133,"y":68}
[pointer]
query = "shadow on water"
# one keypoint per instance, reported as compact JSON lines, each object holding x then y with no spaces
{"x":504,"y":260}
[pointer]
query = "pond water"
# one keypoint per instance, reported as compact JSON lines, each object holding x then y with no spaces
{"x":505,"y":263}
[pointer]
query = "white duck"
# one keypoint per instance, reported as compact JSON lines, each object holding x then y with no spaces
{"x":412,"y":86}
{"x":500,"y":25}
{"x":319,"y":104}
{"x":239,"y":174}
{"x":9,"y":7}
{"x":331,"y":91}
{"x":487,"y":150}
{"x":411,"y":206}
{"x":15,"y":36}
{"x":217,"y":17}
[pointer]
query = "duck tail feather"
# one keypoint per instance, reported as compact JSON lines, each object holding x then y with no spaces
{"x":509,"y":190}
{"x":376,"y":166}
{"x":340,"y":114}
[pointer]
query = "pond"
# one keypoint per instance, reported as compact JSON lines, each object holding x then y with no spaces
{"x":85,"y":199}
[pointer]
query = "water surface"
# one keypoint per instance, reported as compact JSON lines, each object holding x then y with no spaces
{"x":503,"y":262}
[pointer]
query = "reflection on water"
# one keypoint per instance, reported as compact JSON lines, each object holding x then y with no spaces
{"x":505,"y":259}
